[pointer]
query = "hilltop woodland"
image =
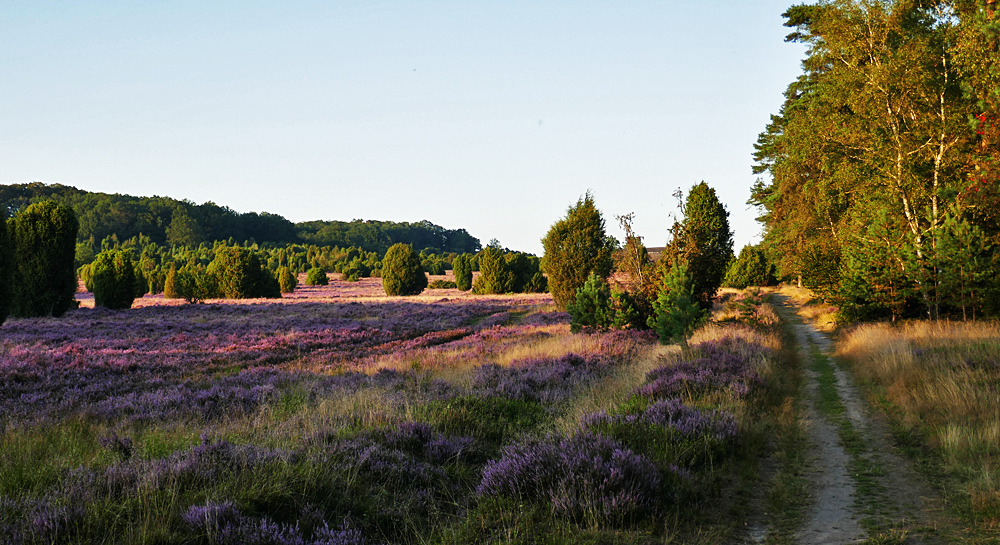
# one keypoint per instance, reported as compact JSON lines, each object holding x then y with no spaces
{"x":884,"y":161}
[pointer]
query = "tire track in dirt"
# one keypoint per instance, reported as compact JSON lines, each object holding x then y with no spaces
{"x":867,"y":486}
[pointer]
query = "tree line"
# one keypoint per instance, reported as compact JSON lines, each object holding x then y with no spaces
{"x":883,"y":165}
{"x":167,"y":221}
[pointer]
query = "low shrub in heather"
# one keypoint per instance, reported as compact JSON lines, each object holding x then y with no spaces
{"x":670,"y":432}
{"x":317,"y":277}
{"x":442,"y":285}
{"x":589,"y":478}
{"x":545,"y":380}
{"x":223,"y":523}
{"x":729,"y":365}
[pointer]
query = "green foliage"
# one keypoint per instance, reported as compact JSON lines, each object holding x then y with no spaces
{"x":599,"y":308}
{"x":113,"y":279}
{"x":401,"y":271}
{"x":6,"y":269}
{"x":576,"y":247}
{"x":317,"y":277}
{"x":286,"y":280}
{"x":677,"y":311}
{"x":883,"y":148}
{"x":704,"y":241}
{"x":240,"y":274}
{"x":355,"y":269}
{"x":44,"y":247}
{"x":592,"y":307}
{"x":462,"y":266}
{"x":751,"y":268}
{"x":442,"y":285}
{"x":171,"y":285}
{"x":495,"y":277}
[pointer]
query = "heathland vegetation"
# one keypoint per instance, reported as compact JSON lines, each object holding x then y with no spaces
{"x":338,"y":386}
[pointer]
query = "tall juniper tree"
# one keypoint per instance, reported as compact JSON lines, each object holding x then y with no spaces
{"x":576,"y":247}
{"x":44,"y":243}
{"x":704,"y":241}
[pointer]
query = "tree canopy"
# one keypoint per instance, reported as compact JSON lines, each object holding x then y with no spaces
{"x":890,"y":131}
{"x":576,"y":247}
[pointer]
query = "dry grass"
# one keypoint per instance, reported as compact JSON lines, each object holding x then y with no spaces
{"x":811,"y":307}
{"x":942,"y":378}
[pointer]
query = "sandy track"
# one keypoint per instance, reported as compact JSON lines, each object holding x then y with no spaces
{"x":898,"y":497}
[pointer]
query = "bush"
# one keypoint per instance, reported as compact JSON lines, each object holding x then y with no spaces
{"x":286,"y":280}
{"x":751,"y":268}
{"x":354,"y":270}
{"x":676,"y":311}
{"x":586,"y":477}
{"x":494,"y":275}
{"x":316,"y":277}
{"x":191,"y":283}
{"x":592,"y":307}
{"x":575,"y":248}
{"x":6,"y":269}
{"x":113,"y":279}
{"x":598,"y":308}
{"x":241,"y":274}
{"x":401,"y":271}
{"x":442,"y":285}
{"x":43,"y":240}
{"x":462,"y":265}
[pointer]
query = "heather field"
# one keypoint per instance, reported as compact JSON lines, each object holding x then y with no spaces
{"x":340,"y":416}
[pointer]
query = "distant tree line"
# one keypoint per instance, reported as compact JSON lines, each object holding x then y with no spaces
{"x":884,"y":161}
{"x":167,"y":221}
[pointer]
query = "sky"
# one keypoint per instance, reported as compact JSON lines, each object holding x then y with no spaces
{"x":490,"y":116}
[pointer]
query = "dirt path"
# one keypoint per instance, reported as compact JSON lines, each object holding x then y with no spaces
{"x":861,"y":488}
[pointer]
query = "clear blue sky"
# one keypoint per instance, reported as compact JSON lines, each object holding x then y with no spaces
{"x":492,"y":116}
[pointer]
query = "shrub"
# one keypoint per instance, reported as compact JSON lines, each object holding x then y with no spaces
{"x":676,"y":311}
{"x":113,"y":279}
{"x":6,"y":269}
{"x":286,"y":280}
{"x":494,"y":275}
{"x":462,"y":265}
{"x":592,"y":307}
{"x":575,"y":248}
{"x":241,"y":274}
{"x":316,"y":277}
{"x":527,"y":274}
{"x":401,"y":271}
{"x":171,"y":285}
{"x":44,"y":246}
{"x":191,"y":283}
{"x":586,"y":477}
{"x":751,"y":268}
{"x":442,"y":285}
{"x":598,"y":308}
{"x":355,"y":269}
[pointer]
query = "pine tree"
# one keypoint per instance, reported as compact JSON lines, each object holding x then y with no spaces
{"x":677,"y":310}
{"x":576,"y":247}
